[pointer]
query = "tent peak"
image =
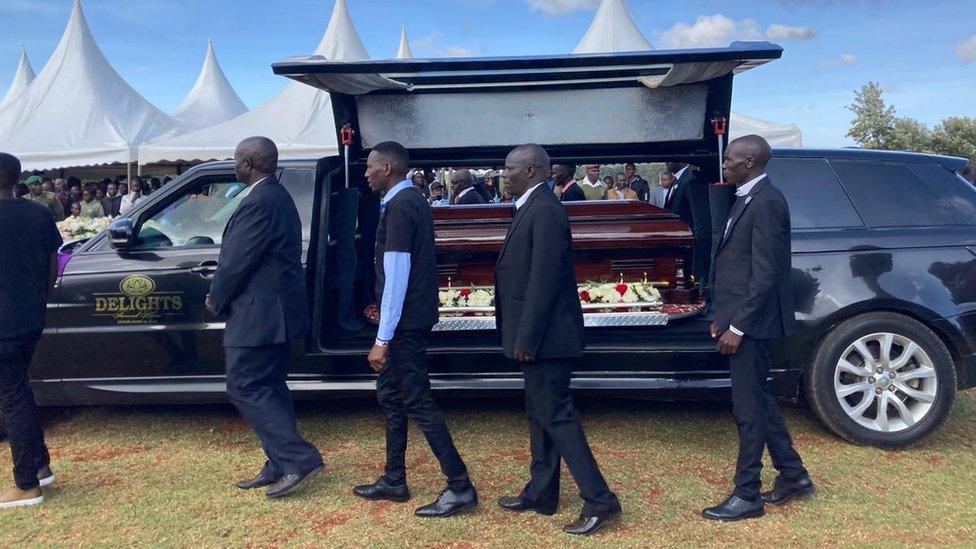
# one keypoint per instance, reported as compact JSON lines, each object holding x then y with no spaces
{"x":23,"y":76}
{"x":341,"y":42}
{"x":612,"y":30}
{"x":212,"y":99}
{"x":403,"y":50}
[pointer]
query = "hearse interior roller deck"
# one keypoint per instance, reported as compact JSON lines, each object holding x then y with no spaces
{"x":884,"y":249}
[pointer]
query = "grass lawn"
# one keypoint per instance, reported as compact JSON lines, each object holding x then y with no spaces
{"x":163,"y":476}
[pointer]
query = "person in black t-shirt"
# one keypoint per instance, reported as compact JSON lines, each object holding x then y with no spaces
{"x":28,"y":269}
{"x":406,"y":288}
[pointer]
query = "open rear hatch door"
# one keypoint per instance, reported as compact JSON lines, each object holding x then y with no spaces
{"x":613,"y":106}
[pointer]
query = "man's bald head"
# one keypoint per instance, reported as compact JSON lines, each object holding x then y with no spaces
{"x":255,"y":158}
{"x":462,"y":179}
{"x":754,"y":146}
{"x":526,"y":166}
{"x":745,"y":159}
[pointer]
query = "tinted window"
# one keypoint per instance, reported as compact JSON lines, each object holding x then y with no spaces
{"x":196,"y":216}
{"x":893,"y":195}
{"x":301,"y":187}
{"x":813,"y":193}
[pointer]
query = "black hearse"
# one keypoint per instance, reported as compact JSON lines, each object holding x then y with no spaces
{"x":884,"y":248}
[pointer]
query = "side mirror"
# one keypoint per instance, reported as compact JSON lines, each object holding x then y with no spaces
{"x":121,"y":233}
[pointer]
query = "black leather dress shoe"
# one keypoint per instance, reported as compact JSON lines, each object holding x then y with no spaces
{"x":784,"y":492}
{"x":291,"y":482}
{"x":259,"y":481}
{"x":449,"y":503}
{"x":586,"y":525}
{"x":519,"y":505}
{"x":735,"y":508}
{"x":381,"y":489}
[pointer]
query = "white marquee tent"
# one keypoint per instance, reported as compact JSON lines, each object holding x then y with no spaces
{"x":23,"y":76}
{"x":212,"y":99}
{"x":79,"y":111}
{"x":299,"y":118}
{"x":403,"y":51}
{"x":613,"y":30}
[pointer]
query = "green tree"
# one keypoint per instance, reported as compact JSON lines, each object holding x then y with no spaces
{"x":956,"y":136}
{"x":873,"y":120}
{"x":908,"y":134}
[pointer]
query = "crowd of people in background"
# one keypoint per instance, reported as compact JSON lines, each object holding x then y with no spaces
{"x":470,"y":187}
{"x":70,"y":197}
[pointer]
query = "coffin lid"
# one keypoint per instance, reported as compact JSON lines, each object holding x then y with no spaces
{"x":525,"y":99}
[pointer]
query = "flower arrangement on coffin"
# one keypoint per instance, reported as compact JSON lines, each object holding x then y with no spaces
{"x":79,"y":228}
{"x":635,"y":294}
{"x":473,"y":297}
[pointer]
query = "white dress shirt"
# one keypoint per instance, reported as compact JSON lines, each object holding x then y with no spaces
{"x":525,"y":196}
{"x":464,"y":192}
{"x":742,"y":191}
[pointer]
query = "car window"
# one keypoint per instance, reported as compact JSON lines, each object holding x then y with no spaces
{"x":814,"y":194}
{"x":194,"y":217}
{"x":896,"y":195}
{"x":301,"y":186}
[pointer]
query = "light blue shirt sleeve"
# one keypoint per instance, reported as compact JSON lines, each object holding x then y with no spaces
{"x":396,"y":266}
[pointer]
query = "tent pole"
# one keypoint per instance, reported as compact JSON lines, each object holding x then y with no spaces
{"x":128,"y":171}
{"x":138,"y":169}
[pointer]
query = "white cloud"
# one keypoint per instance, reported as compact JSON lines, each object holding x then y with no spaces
{"x":845,"y":59}
{"x":561,"y":7}
{"x":426,"y":42}
{"x":458,"y":51}
{"x":786,"y":32}
{"x":966,"y":50}
{"x":710,"y":30}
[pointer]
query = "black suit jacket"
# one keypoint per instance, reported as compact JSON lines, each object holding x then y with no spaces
{"x":680,"y":200}
{"x":752,"y":289}
{"x":260,"y":283}
{"x":643,"y":189}
{"x":111,"y":205}
{"x":471,"y":197}
{"x":537,"y":306}
{"x":573,"y":194}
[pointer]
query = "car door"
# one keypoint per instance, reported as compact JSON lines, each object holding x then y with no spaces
{"x":138,"y":315}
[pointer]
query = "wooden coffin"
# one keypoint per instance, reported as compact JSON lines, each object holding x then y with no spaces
{"x":612,"y":240}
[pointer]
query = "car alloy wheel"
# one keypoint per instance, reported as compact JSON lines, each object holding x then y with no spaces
{"x":885,"y":382}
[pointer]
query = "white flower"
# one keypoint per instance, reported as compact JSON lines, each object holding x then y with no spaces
{"x":480,"y":298}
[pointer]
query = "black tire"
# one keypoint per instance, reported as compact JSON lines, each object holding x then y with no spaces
{"x":825,"y":402}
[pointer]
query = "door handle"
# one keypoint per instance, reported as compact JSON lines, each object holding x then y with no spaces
{"x":205,"y":269}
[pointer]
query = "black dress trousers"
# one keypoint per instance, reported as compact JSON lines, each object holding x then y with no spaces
{"x":555,"y":433}
{"x":256,"y":384}
{"x":403,"y":392}
{"x":19,"y":410}
{"x":759,"y":422}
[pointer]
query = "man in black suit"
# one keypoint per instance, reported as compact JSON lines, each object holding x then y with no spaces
{"x":112,"y":201}
{"x":260,"y":286}
{"x":569,"y":190}
{"x":406,"y":288}
{"x":753,"y":305}
{"x":539,"y":317}
{"x":678,"y":199}
{"x":465,"y":193}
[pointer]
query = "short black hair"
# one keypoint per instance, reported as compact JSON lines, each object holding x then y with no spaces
{"x":72,"y":181}
{"x":9,"y":170}
{"x":397,"y":155}
{"x":630,"y":165}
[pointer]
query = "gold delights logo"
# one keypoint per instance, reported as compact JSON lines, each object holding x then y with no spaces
{"x":138,"y":302}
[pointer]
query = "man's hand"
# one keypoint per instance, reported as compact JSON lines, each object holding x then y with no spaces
{"x":713,"y":329}
{"x":728,"y":344}
{"x":522,"y":356}
{"x":377,"y":358}
{"x":209,"y":304}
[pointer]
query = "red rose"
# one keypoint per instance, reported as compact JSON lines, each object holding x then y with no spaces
{"x":585,"y":296}
{"x":465,"y":292}
{"x":621,"y":289}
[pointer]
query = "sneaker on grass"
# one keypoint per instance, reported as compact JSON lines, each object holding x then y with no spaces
{"x":45,"y":476}
{"x":15,"y":497}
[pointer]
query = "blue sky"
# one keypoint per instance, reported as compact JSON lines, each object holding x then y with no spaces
{"x":923,"y":53}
